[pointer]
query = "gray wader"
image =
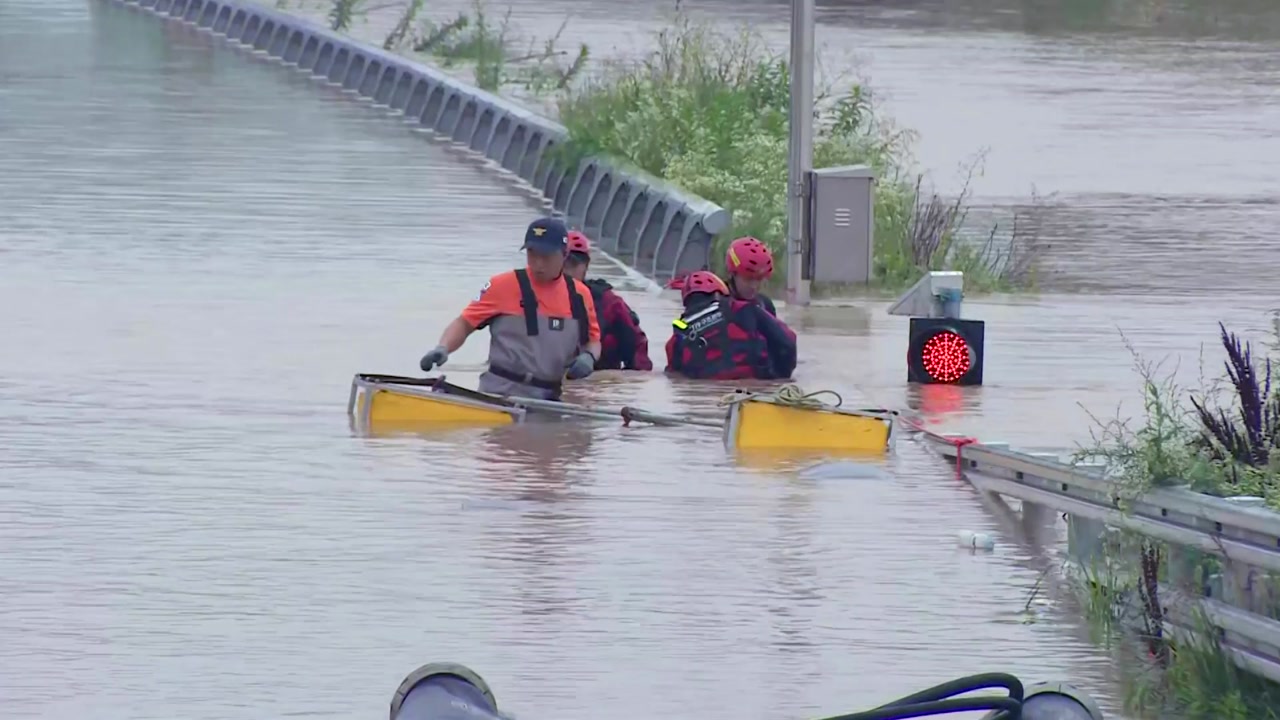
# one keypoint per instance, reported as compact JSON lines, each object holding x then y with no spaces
{"x":528,"y":355}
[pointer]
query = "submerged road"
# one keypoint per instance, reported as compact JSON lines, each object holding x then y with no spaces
{"x":198,"y":250}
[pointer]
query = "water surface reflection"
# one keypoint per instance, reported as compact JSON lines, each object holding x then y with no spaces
{"x":201,"y":251}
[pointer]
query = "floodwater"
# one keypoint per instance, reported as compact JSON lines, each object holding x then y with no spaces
{"x":1149,"y":128}
{"x":197,"y":251}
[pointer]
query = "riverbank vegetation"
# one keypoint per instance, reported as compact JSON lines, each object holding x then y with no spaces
{"x":1223,"y":440}
{"x":708,"y":112}
{"x":1168,"y":671}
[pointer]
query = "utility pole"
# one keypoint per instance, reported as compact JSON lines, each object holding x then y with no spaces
{"x":800,"y":149}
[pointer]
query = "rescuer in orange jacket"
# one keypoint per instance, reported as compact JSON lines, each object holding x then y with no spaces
{"x":749,"y":264}
{"x":624,"y":346}
{"x":542,"y":323}
{"x":723,"y":338}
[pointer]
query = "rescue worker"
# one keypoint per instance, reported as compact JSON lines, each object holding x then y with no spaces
{"x":623,"y":345}
{"x":749,"y":264}
{"x":724,"y":338}
{"x":542,"y":323}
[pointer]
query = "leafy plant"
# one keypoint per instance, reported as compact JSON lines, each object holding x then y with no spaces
{"x":474,"y":40}
{"x":709,"y":112}
{"x":1251,"y":435}
{"x":1216,"y":451}
{"x":399,"y":33}
{"x":342,"y":13}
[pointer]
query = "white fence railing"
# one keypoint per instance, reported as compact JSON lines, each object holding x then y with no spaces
{"x":1241,"y":599}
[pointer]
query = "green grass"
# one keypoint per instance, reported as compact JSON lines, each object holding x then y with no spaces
{"x":489,"y":47}
{"x":1171,"y":445}
{"x":1178,"y":441}
{"x":708,"y":112}
{"x":1187,"y":677}
{"x":344,"y":13}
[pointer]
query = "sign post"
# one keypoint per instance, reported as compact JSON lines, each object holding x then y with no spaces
{"x":800,"y":161}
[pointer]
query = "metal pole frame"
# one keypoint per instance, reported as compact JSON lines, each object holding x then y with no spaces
{"x":800,"y":153}
{"x":363,"y":390}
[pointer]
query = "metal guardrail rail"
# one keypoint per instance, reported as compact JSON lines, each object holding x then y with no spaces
{"x":1244,"y":537}
{"x":641,"y":220}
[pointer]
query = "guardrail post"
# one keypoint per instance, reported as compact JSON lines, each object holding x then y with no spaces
{"x":1237,"y":585}
{"x":1036,"y":518}
{"x":1196,"y":532}
{"x":1185,"y":568}
{"x":1085,"y":540}
{"x":1248,"y":587}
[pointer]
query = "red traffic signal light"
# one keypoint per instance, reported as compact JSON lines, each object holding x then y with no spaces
{"x":945,"y":351}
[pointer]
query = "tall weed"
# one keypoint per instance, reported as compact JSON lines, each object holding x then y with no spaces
{"x":1222,"y":440}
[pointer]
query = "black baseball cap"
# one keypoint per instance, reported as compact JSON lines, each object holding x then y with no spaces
{"x":546,"y":235}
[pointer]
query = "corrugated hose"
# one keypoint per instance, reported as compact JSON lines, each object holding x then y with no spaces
{"x":941,"y":700}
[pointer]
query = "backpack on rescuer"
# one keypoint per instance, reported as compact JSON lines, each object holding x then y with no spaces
{"x":617,"y":344}
{"x":719,"y":338}
{"x":598,"y":286}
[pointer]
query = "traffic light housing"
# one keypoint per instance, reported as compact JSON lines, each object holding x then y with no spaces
{"x":945,"y":351}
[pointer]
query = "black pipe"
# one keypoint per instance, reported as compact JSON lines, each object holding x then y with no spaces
{"x":959,"y":686}
{"x":939,"y":700}
{"x":1009,"y":708}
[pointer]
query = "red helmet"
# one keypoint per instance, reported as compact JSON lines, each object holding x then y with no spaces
{"x":578,"y":243}
{"x":750,"y":257}
{"x":703,"y":281}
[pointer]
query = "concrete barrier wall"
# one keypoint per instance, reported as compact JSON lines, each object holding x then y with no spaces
{"x":638,"y":219}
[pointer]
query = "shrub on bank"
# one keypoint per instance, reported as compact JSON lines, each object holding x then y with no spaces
{"x":709,"y":112}
{"x":1224,"y":441}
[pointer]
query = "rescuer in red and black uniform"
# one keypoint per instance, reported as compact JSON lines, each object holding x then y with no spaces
{"x":749,"y":264}
{"x":723,"y":338}
{"x":625,"y":346}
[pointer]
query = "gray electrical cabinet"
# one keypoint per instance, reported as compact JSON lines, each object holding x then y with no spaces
{"x":842,"y":221}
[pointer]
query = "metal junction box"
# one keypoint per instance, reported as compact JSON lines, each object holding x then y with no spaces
{"x":842,"y":224}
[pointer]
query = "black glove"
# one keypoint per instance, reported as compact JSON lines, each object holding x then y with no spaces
{"x":582,"y":366}
{"x":438,"y":356}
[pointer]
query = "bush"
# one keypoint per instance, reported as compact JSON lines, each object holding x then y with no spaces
{"x":1219,"y":442}
{"x":1223,"y":451}
{"x":474,"y":39}
{"x":709,"y":113}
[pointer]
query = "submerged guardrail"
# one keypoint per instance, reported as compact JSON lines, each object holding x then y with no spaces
{"x":1244,"y":537}
{"x":657,"y":229}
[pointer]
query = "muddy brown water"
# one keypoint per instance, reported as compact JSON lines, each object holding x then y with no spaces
{"x":1148,"y":127}
{"x":198,"y":251}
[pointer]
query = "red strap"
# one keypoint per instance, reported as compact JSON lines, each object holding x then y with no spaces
{"x":958,"y":443}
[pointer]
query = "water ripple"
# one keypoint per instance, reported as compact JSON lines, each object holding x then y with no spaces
{"x":1168,"y":116}
{"x":201,"y":249}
